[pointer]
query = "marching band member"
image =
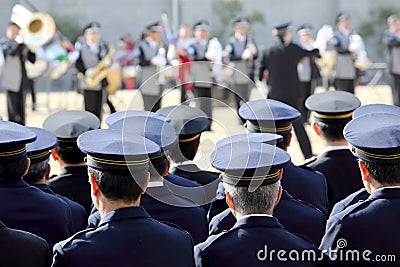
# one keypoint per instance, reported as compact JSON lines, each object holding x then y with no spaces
{"x":307,"y":69}
{"x":243,"y":53}
{"x":14,"y":76}
{"x":200,"y":53}
{"x":92,"y":50}
{"x":393,"y":45}
{"x":345,"y":71}
{"x":150,"y":57}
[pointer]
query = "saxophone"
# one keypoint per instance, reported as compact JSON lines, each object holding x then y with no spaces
{"x":94,"y":76}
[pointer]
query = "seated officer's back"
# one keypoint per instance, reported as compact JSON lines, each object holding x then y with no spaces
{"x":271,"y":116}
{"x":118,"y":171}
{"x":24,"y":207}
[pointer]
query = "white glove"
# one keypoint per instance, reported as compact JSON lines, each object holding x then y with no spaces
{"x":158,"y":61}
{"x":246,"y":54}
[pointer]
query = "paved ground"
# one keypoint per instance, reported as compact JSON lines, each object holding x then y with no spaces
{"x":225,"y":123}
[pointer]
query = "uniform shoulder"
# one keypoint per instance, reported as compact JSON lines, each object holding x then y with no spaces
{"x":210,"y":240}
{"x":79,"y":235}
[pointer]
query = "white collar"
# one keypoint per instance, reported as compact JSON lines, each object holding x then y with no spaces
{"x":255,"y":215}
{"x":333,"y":148}
{"x":155,"y":184}
{"x":151,"y":42}
{"x":241,"y":38}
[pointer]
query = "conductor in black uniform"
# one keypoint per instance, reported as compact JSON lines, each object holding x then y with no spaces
{"x":251,"y":178}
{"x":72,"y":181}
{"x":118,"y":170}
{"x":14,"y":77}
{"x":281,"y":63}
{"x":371,"y":224}
{"x":332,"y":111}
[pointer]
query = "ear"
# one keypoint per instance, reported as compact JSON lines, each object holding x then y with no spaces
{"x":27,"y":167}
{"x":280,"y":174}
{"x":279,"y":196}
{"x":94,"y":185}
{"x":167,"y":169}
{"x":47,"y":174}
{"x":54,"y":154}
{"x":364,"y":171}
{"x":316,"y":129}
{"x":229,"y":201}
{"x":290,"y":139}
{"x":146,"y":183}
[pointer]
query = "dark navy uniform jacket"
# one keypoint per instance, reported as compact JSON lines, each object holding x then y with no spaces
{"x":205,"y":178}
{"x":126,"y":237}
{"x":21,"y":249}
{"x":73,"y":183}
{"x":245,"y":244}
{"x":369,"y":225}
{"x":78,"y":213}
{"x":296,"y":216}
{"x":185,"y":188}
{"x":342,"y":174}
{"x":307,"y":185}
{"x":164,"y":206}
{"x":27,"y":208}
{"x":351,"y":199}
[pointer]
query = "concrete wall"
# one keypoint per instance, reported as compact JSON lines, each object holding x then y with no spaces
{"x":130,"y":16}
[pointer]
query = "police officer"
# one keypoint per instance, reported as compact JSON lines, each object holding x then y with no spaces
{"x":271,"y":116}
{"x":159,"y":201}
{"x":118,"y":170}
{"x":72,"y":181}
{"x":92,"y":51}
{"x":281,"y":62}
{"x":24,"y":207}
{"x":332,"y":111}
{"x":14,"y":77}
{"x":39,"y":173}
{"x":242,"y":53}
{"x":345,"y":71}
{"x":393,"y":49}
{"x":200,"y":55}
{"x":251,"y":178}
{"x":371,"y":224}
{"x":189,"y":123}
{"x":150,"y":55}
{"x":287,"y":211}
{"x":20,"y":249}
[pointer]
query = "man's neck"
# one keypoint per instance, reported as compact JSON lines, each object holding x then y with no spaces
{"x":326,"y":143}
{"x":239,"y":215}
{"x":106,"y":206}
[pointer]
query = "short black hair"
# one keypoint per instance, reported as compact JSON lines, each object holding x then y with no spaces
{"x":385,"y":174}
{"x":158,"y":166}
{"x":14,"y":169}
{"x":70,"y":154}
{"x":119,"y":186}
{"x":11,"y":23}
{"x":332,"y":131}
{"x":185,"y":150}
{"x":36,"y":171}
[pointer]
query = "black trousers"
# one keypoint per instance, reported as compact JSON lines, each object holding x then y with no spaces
{"x":346,"y":85}
{"x":16,"y":106}
{"x":396,"y":89}
{"x":33,"y":93}
{"x":305,"y":93}
{"x":242,"y":94}
{"x":204,"y":99}
{"x":302,"y":137}
{"x":152,"y":102}
{"x":94,"y":100}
